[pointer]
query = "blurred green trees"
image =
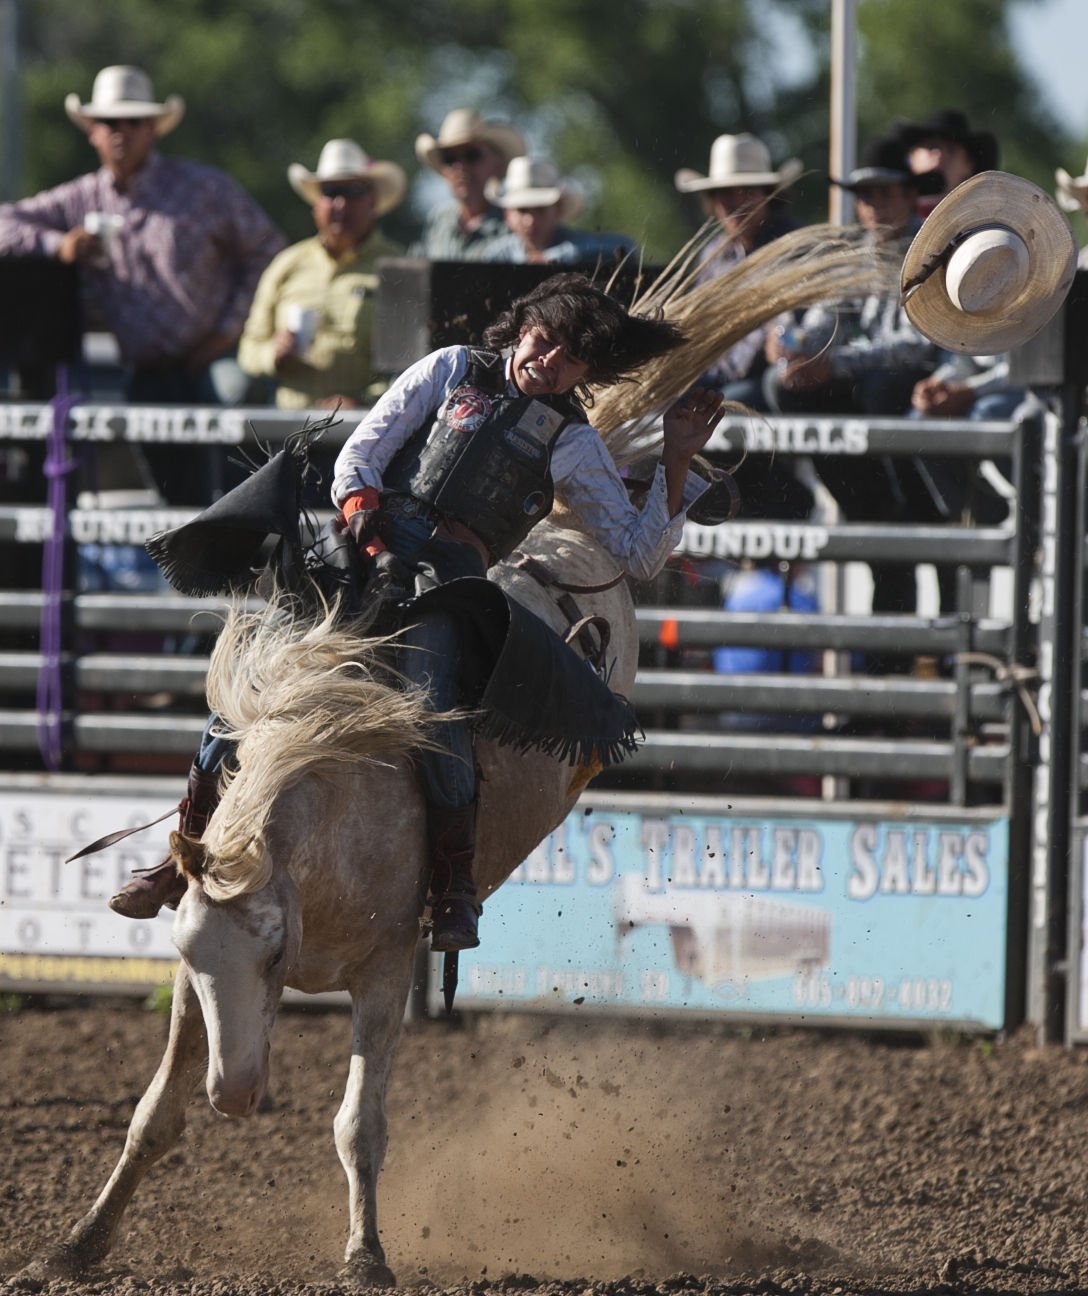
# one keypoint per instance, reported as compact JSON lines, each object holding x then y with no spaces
{"x":619,"y":92}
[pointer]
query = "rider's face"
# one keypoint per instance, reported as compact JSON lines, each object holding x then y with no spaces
{"x":543,"y":366}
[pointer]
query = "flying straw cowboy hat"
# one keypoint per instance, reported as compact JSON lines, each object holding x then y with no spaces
{"x":121,"y":91}
{"x":464,"y":126}
{"x":536,"y":182}
{"x":990,"y":266}
{"x":343,"y":159}
{"x":739,"y":160}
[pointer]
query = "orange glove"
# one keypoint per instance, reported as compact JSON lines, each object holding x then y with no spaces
{"x":358,"y":511}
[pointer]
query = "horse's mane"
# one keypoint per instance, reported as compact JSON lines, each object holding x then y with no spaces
{"x":300,"y":692}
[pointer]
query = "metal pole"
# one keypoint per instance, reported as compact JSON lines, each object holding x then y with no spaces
{"x":844,"y":129}
{"x":843,"y":150}
{"x":1058,"y":637}
{"x":12,"y":137}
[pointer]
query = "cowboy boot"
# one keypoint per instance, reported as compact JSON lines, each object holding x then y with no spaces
{"x":146,"y":893}
{"x":455,"y":911}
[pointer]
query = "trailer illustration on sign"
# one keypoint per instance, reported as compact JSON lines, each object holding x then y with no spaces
{"x":725,"y":938}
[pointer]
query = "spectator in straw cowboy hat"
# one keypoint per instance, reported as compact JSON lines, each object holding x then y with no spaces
{"x":742,"y":191}
{"x":1072,"y":195}
{"x":312,"y":318}
{"x":468,"y":152}
{"x":538,"y":202}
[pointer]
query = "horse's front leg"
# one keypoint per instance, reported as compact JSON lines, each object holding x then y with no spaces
{"x":156,"y":1126}
{"x":361,"y":1127}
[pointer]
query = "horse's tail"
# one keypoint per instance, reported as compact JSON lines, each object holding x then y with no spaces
{"x":299,"y":693}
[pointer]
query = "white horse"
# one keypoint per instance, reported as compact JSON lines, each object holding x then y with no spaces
{"x":312,"y":874}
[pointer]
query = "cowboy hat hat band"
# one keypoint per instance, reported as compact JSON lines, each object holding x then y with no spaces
{"x":874,"y":176}
{"x":569,"y":199}
{"x":689,"y":181}
{"x":387,"y":179}
{"x":167,"y":115}
{"x":123,"y":91}
{"x":534,"y":182}
{"x":528,"y":197}
{"x":462,"y":127}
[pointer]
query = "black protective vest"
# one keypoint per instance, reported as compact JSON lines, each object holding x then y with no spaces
{"x":484,"y":458}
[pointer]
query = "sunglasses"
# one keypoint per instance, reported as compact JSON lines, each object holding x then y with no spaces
{"x":358,"y":189}
{"x":469,"y":155}
{"x":118,"y":123}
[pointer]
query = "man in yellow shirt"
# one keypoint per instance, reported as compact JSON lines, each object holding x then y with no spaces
{"x":310,"y":325}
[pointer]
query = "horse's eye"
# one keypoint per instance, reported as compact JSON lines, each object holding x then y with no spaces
{"x":275,"y":960}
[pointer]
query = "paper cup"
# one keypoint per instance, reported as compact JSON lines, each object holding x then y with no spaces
{"x":105,"y":226}
{"x":302,"y":322}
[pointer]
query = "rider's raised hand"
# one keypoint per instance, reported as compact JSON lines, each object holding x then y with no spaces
{"x":689,"y":423}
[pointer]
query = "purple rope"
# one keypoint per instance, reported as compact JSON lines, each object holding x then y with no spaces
{"x":50,"y":699}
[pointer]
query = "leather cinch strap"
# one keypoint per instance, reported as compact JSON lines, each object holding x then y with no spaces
{"x":580,"y":626}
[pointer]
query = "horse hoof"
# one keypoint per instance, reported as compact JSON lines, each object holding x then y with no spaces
{"x":367,"y":1273}
{"x":59,"y":1263}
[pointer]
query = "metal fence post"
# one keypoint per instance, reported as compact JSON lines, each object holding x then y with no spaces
{"x":1050,"y":813}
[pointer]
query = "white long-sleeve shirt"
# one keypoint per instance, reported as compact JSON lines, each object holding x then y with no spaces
{"x":585,"y":476}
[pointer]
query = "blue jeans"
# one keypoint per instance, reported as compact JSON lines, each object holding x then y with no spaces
{"x":429,"y":655}
{"x":213,"y":750}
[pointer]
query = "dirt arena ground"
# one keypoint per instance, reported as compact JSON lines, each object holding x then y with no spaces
{"x":568,"y":1158}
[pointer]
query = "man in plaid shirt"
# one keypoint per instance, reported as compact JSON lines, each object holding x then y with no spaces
{"x":169,"y":250}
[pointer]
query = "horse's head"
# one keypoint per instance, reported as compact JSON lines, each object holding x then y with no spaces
{"x":238,"y":952}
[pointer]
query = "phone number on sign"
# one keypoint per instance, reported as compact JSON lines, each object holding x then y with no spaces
{"x":911,"y":994}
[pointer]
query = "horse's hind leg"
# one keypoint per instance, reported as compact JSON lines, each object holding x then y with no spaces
{"x":361,"y":1125}
{"x":156,"y":1126}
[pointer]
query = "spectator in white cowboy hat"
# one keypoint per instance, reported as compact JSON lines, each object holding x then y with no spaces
{"x":180,"y":248}
{"x":538,"y":202}
{"x":467,"y":152}
{"x":1072,"y":195}
{"x":311,"y":321}
{"x":743,"y":192}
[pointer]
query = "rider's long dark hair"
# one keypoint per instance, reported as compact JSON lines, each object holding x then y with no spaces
{"x":596,"y":328}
